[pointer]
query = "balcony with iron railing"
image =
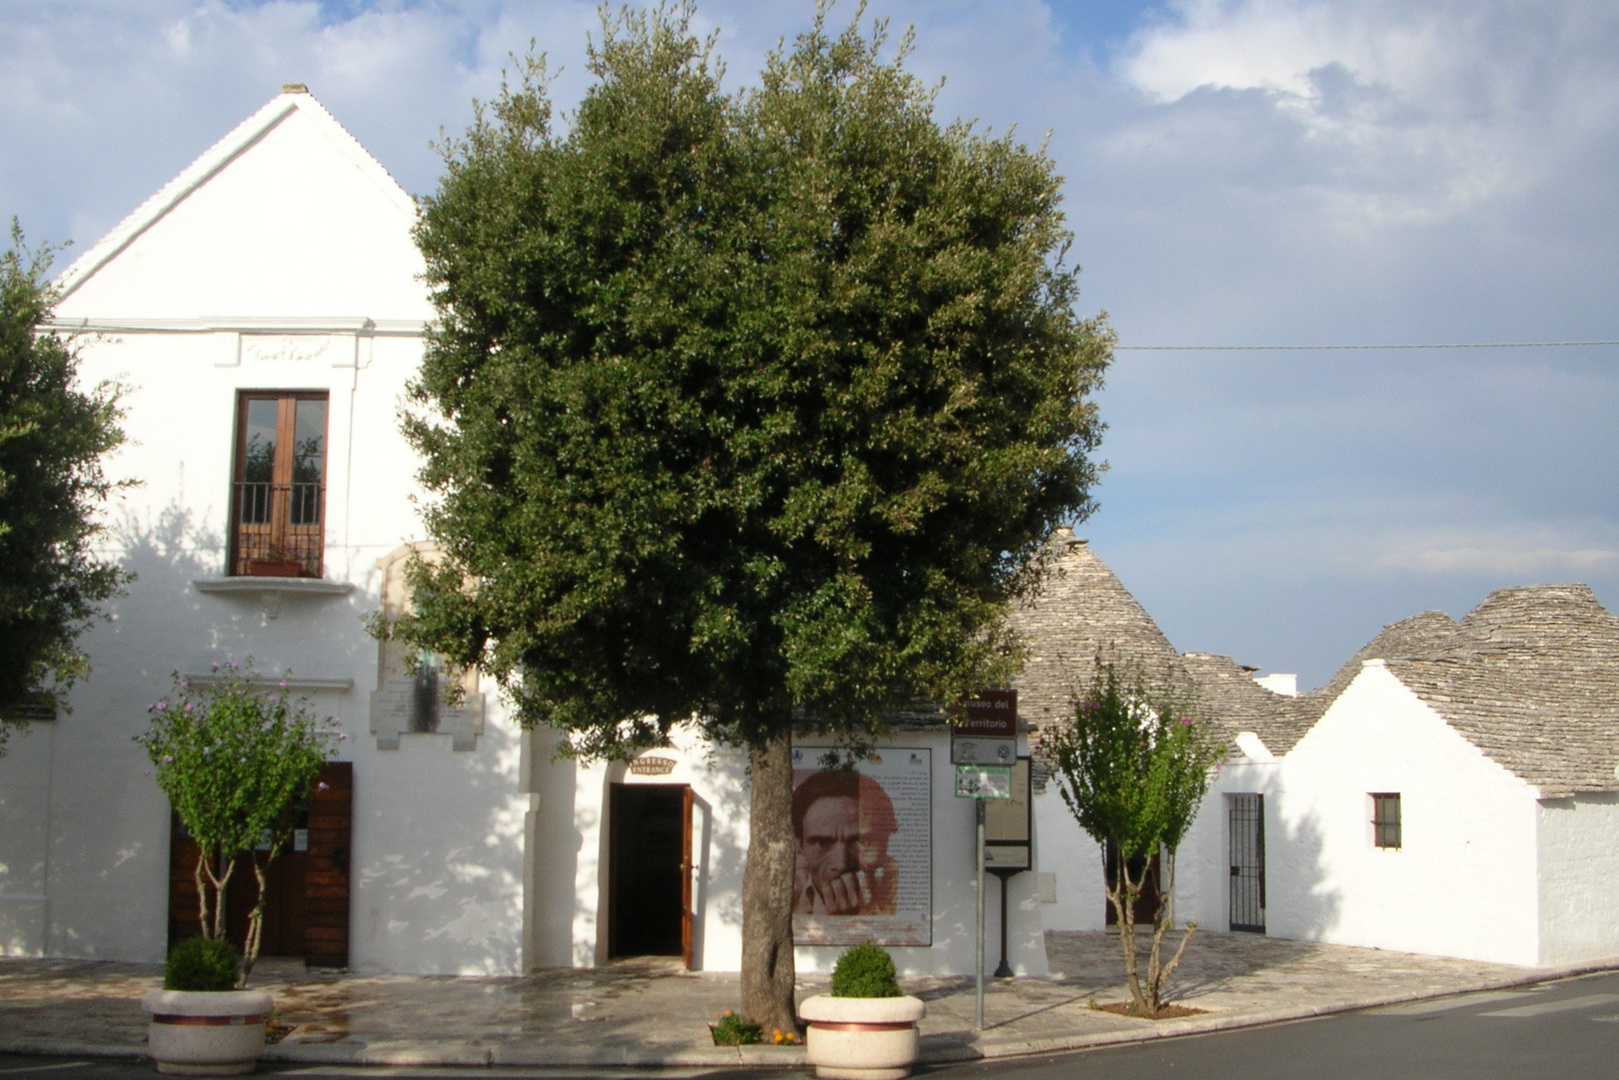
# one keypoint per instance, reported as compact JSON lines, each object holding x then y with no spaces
{"x":277,"y":529}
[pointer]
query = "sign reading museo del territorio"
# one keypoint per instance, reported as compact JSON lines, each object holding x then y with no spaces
{"x":864,"y":868}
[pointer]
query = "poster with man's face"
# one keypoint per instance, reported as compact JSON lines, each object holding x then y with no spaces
{"x":864,"y":869}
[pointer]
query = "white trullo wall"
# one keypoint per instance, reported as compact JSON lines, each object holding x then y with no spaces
{"x":282,"y":260}
{"x":1462,"y":884}
{"x":1579,"y":877}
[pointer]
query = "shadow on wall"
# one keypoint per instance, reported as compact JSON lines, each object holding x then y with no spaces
{"x":438,"y":871}
{"x":107,"y":855}
{"x":436,"y":867}
{"x":312,"y":635}
{"x":1305,"y":907}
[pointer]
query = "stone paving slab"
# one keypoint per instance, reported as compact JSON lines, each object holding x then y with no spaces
{"x":650,"y":1013}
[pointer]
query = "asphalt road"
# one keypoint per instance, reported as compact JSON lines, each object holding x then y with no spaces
{"x":1566,"y":1030}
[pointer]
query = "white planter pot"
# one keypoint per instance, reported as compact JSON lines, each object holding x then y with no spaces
{"x":215,"y":1033}
{"x":862,"y":1038}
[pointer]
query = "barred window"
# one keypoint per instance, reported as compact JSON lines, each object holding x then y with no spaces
{"x":1386,"y":819}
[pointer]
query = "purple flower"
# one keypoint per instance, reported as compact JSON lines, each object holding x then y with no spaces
{"x":271,"y":698}
{"x":160,"y":706}
{"x":341,"y":736}
{"x":215,"y":665}
{"x":188,"y":706}
{"x":168,"y":759}
{"x":323,"y":786}
{"x":1186,"y":721}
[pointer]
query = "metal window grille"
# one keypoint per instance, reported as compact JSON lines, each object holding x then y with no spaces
{"x":1386,"y":819}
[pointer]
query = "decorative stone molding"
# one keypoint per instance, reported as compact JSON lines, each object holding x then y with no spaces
{"x":417,"y":695}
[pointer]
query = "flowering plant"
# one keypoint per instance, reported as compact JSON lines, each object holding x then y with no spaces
{"x":1133,"y":767}
{"x":233,"y":755}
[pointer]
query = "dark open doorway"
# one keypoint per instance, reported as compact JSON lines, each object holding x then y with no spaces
{"x":649,"y":886}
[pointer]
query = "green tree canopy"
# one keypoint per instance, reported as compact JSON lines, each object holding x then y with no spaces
{"x":53,"y":435}
{"x":744,"y":410}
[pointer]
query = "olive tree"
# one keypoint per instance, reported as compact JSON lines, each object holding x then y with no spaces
{"x":1133,"y":768}
{"x":747,"y":411}
{"x":53,"y":436}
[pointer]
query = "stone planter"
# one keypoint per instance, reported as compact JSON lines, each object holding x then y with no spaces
{"x":214,"y":1033}
{"x":862,"y":1038}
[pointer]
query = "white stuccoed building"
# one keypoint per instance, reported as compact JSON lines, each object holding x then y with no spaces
{"x":265,"y":311}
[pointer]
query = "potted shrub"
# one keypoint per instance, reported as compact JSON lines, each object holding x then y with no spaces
{"x":202,"y":1024}
{"x":865,"y":1029}
{"x":233,"y":756}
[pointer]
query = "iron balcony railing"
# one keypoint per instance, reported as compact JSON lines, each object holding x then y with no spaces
{"x":277,"y":529}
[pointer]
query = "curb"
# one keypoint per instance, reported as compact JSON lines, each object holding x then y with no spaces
{"x":946,"y":1050}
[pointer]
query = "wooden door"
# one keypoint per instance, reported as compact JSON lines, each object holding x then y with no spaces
{"x":687,"y":804}
{"x":307,"y":910}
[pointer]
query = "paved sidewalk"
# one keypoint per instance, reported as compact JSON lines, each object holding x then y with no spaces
{"x":649,"y":1013}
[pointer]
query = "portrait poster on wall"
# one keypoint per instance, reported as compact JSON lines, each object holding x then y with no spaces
{"x":865,"y":848}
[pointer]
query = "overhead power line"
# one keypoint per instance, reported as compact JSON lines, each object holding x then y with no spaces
{"x":1360,"y":348}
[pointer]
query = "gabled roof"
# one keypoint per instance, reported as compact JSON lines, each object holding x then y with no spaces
{"x":217,"y":157}
{"x":285,"y":218}
{"x":1530,"y":677}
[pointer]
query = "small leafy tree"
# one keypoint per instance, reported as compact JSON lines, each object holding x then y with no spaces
{"x":1133,"y":769}
{"x":233,"y":757}
{"x":53,"y":436}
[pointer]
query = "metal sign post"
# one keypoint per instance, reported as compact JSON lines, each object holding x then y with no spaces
{"x":983,"y":748}
{"x":978,"y":968}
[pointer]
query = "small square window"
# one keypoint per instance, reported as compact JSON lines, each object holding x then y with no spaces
{"x":1386,"y":819}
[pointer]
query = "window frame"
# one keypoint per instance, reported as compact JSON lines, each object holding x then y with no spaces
{"x":286,"y":542}
{"x":1388,"y":829}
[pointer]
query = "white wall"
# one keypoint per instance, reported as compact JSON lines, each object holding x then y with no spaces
{"x":1462,"y":884}
{"x":1074,"y":860}
{"x":25,"y":814}
{"x":570,"y":835}
{"x":1579,"y":878}
{"x":302,"y":225}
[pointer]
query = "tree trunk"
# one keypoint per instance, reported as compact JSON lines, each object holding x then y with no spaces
{"x":767,"y":890}
{"x":255,"y":919}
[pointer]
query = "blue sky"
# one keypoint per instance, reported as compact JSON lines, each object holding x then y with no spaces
{"x":1239,"y":172}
